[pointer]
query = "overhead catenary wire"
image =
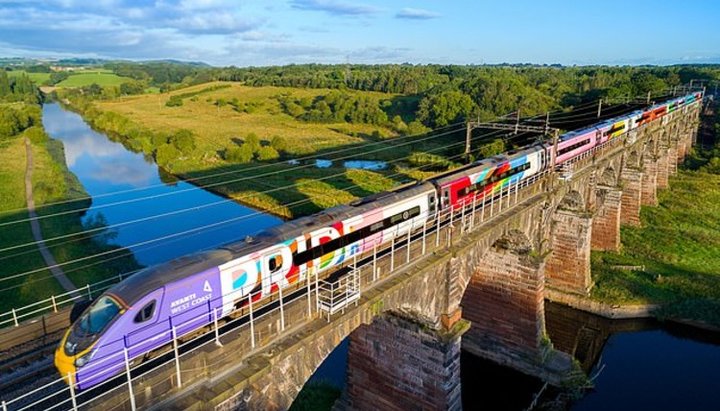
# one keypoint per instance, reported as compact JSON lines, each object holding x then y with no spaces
{"x":88,"y":257}
{"x":162,"y":238}
{"x":195,"y":179}
{"x":223,"y":201}
{"x":86,"y":233}
{"x":208,"y":176}
{"x":190,"y":231}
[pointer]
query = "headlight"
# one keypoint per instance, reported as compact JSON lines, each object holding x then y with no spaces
{"x":81,"y":361}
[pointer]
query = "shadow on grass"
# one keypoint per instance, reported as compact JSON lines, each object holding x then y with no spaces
{"x":32,"y":281}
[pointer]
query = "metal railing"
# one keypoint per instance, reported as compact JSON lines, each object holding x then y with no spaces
{"x":335,"y":295}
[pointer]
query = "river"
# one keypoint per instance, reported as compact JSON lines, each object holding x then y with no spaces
{"x":636,"y":365}
{"x":127,"y":186}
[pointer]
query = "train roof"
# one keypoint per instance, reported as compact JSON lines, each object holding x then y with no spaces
{"x":150,"y":279}
{"x":453,"y":175}
{"x":302,"y":225}
{"x":575,"y":133}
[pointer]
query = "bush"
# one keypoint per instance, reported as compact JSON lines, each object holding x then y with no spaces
{"x":174,"y":101}
{"x":416,"y":128}
{"x":140,"y":144}
{"x":242,"y":154}
{"x":428,"y":162}
{"x":267,"y":153}
{"x":184,"y":140}
{"x":159,"y":140}
{"x":253,"y":142}
{"x":492,"y":148}
{"x":36,"y":134}
{"x":165,"y":154}
{"x":278,"y":143}
{"x":712,"y":167}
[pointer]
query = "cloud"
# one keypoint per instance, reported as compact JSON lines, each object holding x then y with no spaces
{"x":336,"y":8}
{"x":263,"y":36}
{"x":416,"y":14}
{"x":369,"y":55}
{"x":213,"y":23}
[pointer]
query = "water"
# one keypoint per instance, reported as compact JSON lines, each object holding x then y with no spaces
{"x":357,"y":164}
{"x":104,"y":166}
{"x":655,"y":370}
{"x":637,"y":365}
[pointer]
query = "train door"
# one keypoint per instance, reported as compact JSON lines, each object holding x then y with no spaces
{"x":445,"y":198}
{"x":431,"y":205}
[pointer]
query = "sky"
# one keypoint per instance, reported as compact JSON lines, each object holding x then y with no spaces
{"x":277,"y":32}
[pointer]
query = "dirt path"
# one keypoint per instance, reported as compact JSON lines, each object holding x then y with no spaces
{"x":56,"y":271}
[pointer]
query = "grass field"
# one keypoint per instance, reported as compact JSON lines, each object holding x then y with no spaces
{"x":36,"y":286}
{"x":98,"y":76}
{"x":52,"y":182}
{"x":37,"y":78}
{"x":679,"y":245}
{"x":216,"y":127}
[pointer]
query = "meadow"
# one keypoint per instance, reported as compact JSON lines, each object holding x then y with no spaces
{"x":100,"y":77}
{"x":283,"y":189}
{"x":216,"y":126}
{"x":37,"y":78}
{"x":679,"y":245}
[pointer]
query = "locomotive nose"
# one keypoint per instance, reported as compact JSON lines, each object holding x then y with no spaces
{"x":65,"y":364}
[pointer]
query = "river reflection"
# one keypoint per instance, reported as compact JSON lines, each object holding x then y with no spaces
{"x":105,"y":167}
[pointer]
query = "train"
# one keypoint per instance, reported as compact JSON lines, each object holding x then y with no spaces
{"x":146,"y":311}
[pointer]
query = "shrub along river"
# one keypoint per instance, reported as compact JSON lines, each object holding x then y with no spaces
{"x":634,"y":364}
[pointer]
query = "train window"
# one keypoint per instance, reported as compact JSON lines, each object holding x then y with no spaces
{"x":377,"y":227}
{"x":275,"y":262}
{"x":573,"y":147}
{"x":146,"y":312}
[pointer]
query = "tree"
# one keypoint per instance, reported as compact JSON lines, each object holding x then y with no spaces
{"x":57,"y":77}
{"x":183,"y":140}
{"x":165,"y":154}
{"x":253,"y":142}
{"x":267,"y":153}
{"x":447,"y":107}
{"x":278,"y":143}
{"x":242,"y":154}
{"x":5,"y":89}
{"x":132,"y":87}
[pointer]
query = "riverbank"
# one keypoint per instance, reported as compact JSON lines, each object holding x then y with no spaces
{"x":271,"y":184}
{"x":56,"y":191}
{"x":678,"y":244}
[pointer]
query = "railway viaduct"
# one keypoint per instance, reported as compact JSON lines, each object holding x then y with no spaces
{"x":479,"y":284}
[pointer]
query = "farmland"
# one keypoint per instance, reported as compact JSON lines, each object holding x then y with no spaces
{"x":37,"y":78}
{"x":217,"y":126}
{"x":99,"y":77}
{"x":257,"y":116}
